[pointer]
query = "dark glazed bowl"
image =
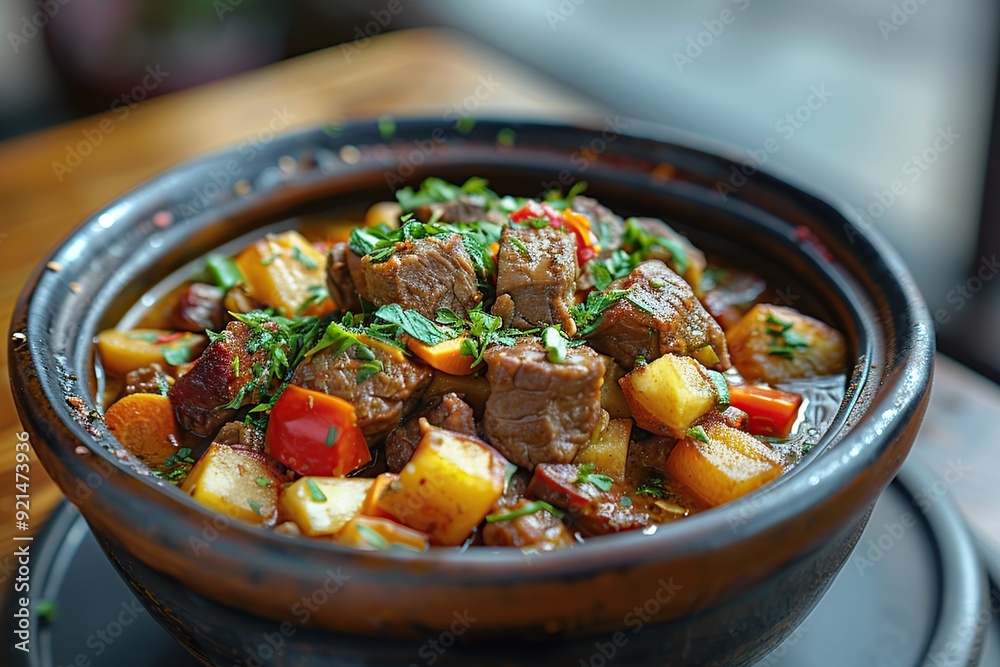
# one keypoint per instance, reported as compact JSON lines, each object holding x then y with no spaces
{"x":722,"y":587}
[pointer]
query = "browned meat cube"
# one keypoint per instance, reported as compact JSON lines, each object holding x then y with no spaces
{"x":198,"y":308}
{"x":425,"y":275}
{"x":339,"y":282}
{"x":240,"y":435}
{"x":594,"y":510}
{"x":213,"y":381}
{"x":536,"y":278}
{"x":541,"y":411}
{"x":146,"y":380}
{"x":539,"y":531}
{"x":669,"y":319}
{"x":465,"y":208}
{"x":381,"y":399}
{"x":449,"y":412}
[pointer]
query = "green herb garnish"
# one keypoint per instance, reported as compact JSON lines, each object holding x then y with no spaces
{"x":651,"y":487}
{"x":718,"y":380}
{"x":223,"y":271}
{"x":413,"y":323}
{"x":586,"y":475}
{"x":264,"y":481}
{"x":315,"y":492}
{"x":524,"y":510}
{"x":254,"y":506}
{"x":698,"y":433}
{"x":304,"y":259}
{"x":372,"y":537}
{"x":519,"y":244}
{"x":555,"y":345}
{"x":636,"y":239}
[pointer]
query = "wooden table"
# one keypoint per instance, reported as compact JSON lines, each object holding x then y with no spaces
{"x":416,"y":72}
{"x":424,"y":72}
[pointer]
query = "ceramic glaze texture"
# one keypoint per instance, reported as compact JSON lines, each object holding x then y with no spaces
{"x":721,"y":587}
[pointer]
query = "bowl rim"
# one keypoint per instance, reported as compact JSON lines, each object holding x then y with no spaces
{"x":903,"y":392}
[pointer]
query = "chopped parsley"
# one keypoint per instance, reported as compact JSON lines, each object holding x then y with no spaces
{"x":589,"y":314}
{"x":625,"y":501}
{"x":178,"y":352}
{"x":698,"y":433}
{"x":315,"y":492}
{"x":367,"y":369}
{"x":637,"y":239}
{"x":254,"y":506}
{"x":438,"y":190}
{"x":784,"y":340}
{"x":555,"y":345}
{"x":316,"y":294}
{"x":651,"y":487}
{"x":556,"y":200}
{"x":304,"y":259}
{"x":223,"y":271}
{"x":264,"y":481}
{"x":284,"y":342}
{"x":524,"y":510}
{"x":372,"y":537}
{"x":586,"y":475}
{"x":331,"y":436}
{"x":519,"y":244}
{"x":414,"y":324}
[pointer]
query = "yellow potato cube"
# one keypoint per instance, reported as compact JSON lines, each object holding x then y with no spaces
{"x":776,"y":344}
{"x":448,"y":487}
{"x":609,"y":450}
{"x":731,"y":464}
{"x":667,"y":395}
{"x":236,"y":483}
{"x":284,"y":271}
{"x":324,"y":505}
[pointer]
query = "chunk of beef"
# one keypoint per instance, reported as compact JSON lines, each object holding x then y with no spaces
{"x":678,"y":253}
{"x":241,"y":435}
{"x":540,"y":411}
{"x":595,"y":511}
{"x":465,"y":208}
{"x":198,"y":308}
{"x":607,"y":226}
{"x":538,"y":531}
{"x":425,"y":275}
{"x":213,"y":381}
{"x":339,"y":282}
{"x":536,"y":278}
{"x":448,"y":411}
{"x":728,"y":301}
{"x":380,"y":401}
{"x":146,"y":380}
{"x":670,"y":319}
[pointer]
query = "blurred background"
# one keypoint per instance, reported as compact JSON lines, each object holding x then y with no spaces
{"x":889,"y":105}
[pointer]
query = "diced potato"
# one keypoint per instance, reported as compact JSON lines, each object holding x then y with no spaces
{"x":667,"y":395}
{"x":448,"y":487}
{"x":145,"y":425}
{"x":731,"y":464}
{"x":609,"y":450}
{"x":324,"y":505}
{"x":612,"y":397}
{"x":761,"y":351}
{"x":236,"y":482}
{"x":124,"y":351}
{"x":284,"y":271}
{"x":372,"y":533}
